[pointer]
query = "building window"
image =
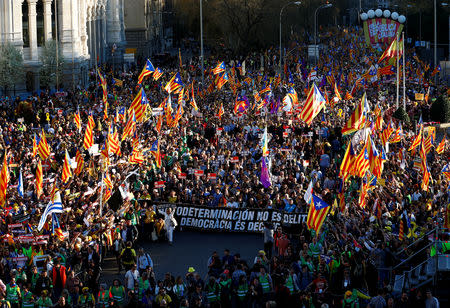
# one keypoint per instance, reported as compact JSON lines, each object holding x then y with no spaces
{"x":40,"y":23}
{"x":26,"y":37}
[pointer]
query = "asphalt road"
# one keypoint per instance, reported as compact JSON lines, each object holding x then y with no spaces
{"x":190,"y":249}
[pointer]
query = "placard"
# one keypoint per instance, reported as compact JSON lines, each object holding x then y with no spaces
{"x":182,"y":176}
{"x":234,"y":159}
{"x":212,"y":176}
{"x":234,"y":219}
{"x":198,"y":172}
{"x":159,"y":184}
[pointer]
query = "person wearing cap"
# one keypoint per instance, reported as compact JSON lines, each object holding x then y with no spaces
{"x":350,"y":300}
{"x":44,"y":301}
{"x":104,"y":297}
{"x":13,"y":293}
{"x":261,"y":258}
{"x":86,"y":299}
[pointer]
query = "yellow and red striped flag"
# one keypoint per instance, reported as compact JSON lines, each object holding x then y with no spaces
{"x":4,"y":179}
{"x":136,"y":157}
{"x":441,"y":147}
{"x":313,"y":105}
{"x":318,"y":211}
{"x":130,"y":127}
{"x":67,"y":171}
{"x":401,"y":232}
{"x":88,"y":140}
{"x":336,"y":92}
{"x":221,"y":111}
{"x":107,"y":181}
{"x":139,"y":105}
{"x":77,"y":119}
{"x":53,"y":191}
{"x":43,"y":148}
{"x":417,"y":139}
{"x":348,"y":163}
{"x":386,"y":133}
{"x":159,"y":123}
{"x":358,"y":119}
{"x":35,"y":145}
{"x":80,"y":163}
{"x":113,"y":141}
{"x":362,"y":162}
{"x":398,"y":134}
{"x":39,"y":179}
{"x":428,"y":143}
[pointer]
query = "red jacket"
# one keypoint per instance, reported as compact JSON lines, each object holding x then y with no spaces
{"x":62,"y":274}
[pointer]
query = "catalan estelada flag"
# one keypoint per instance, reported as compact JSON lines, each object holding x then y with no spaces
{"x":293,"y":96}
{"x":67,"y":172}
{"x":220,"y":68}
{"x":159,"y":123}
{"x":357,"y":120}
{"x":39,"y":179}
{"x":146,"y":71}
{"x":139,"y":105}
{"x":155,"y":151}
{"x":174,"y":83}
{"x":362,"y":162}
{"x":336,"y":92}
{"x":428,"y":143}
{"x":318,"y":211}
{"x":436,"y":70}
{"x":394,"y":48}
{"x":386,"y":133}
{"x":88,"y":140}
{"x":441,"y":147}
{"x":4,"y":179}
{"x":397,"y":137}
{"x":223,"y":79}
{"x":157,"y":74}
{"x":417,"y":140}
{"x":43,"y":148}
{"x":313,"y":105}
{"x":80,"y":163}
{"x":107,"y":181}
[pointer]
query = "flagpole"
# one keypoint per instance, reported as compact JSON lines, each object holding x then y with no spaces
{"x":404,"y":74}
{"x":398,"y":75}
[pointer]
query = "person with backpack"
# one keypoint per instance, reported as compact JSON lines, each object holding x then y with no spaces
{"x":128,"y":256}
{"x":143,"y":261}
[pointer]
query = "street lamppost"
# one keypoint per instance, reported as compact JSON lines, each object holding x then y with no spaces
{"x":201,"y":42}
{"x":281,"y":13}
{"x":324,"y":6}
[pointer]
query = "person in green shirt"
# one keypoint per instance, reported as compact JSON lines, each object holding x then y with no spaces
{"x":86,"y":299}
{"x":13,"y":293}
{"x":27,"y":298}
{"x":118,"y":292}
{"x":44,"y":301}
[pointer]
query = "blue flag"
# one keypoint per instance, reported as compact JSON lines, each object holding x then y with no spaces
{"x":20,"y":185}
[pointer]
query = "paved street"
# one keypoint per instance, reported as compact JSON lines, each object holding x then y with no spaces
{"x":191,"y":249}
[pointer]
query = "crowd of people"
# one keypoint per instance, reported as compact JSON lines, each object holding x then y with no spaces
{"x":346,"y":264}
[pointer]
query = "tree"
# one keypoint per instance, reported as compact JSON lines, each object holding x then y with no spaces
{"x":440,"y":110}
{"x":50,"y":69}
{"x":11,"y":66}
{"x":401,"y":115}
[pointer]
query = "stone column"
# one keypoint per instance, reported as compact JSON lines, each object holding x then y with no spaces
{"x":90,"y":45}
{"x":47,"y":20}
{"x":83,"y":26}
{"x":32,"y":28}
{"x":104,"y":49}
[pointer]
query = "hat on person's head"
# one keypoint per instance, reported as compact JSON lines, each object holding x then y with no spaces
{"x":348,"y":293}
{"x":191,"y":269}
{"x":85,"y":289}
{"x":262,"y":252}
{"x":226,"y":272}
